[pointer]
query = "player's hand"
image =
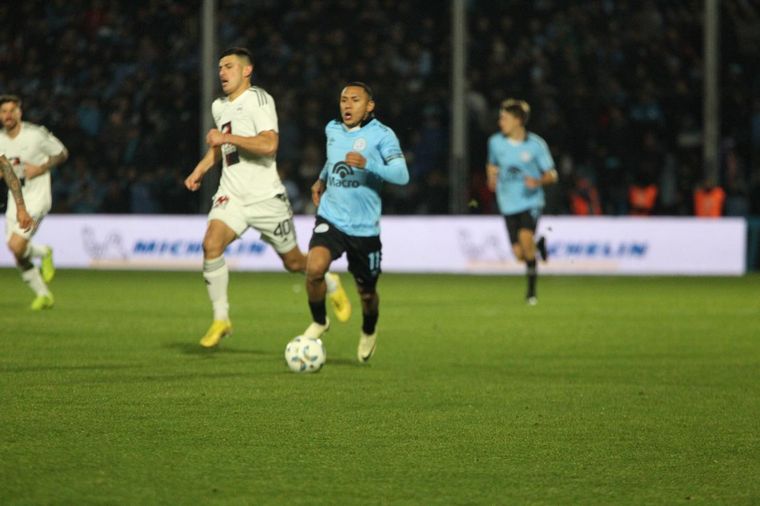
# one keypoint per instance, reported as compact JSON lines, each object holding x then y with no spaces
{"x":193,"y":181}
{"x":24,"y":220}
{"x":31,"y":171}
{"x":317,"y":189}
{"x":355,"y":159}
{"x":532,"y":183}
{"x":214,"y":138}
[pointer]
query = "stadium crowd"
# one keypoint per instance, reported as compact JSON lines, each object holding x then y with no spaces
{"x":615,"y":88}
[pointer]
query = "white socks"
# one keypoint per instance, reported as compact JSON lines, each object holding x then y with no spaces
{"x":217,"y":278}
{"x":35,"y":251}
{"x":33,"y":279}
{"x":332,"y":283}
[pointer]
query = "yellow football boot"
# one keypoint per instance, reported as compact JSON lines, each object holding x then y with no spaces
{"x":339,"y":300}
{"x":215,"y":333}
{"x":47,"y":269}
{"x":42,"y":302}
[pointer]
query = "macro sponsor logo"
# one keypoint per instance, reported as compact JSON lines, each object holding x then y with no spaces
{"x":597,"y":249}
{"x":340,"y":171}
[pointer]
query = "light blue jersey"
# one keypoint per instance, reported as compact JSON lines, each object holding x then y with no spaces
{"x":351,"y":201}
{"x":515,"y":161}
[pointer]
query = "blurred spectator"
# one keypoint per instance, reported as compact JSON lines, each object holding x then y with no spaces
{"x":584,"y":198}
{"x":642,"y":198}
{"x":709,"y":200}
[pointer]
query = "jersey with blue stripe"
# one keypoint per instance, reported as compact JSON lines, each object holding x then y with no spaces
{"x":516,"y":160}
{"x":351,"y":201}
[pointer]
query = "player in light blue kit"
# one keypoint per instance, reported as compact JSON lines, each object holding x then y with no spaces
{"x":362,"y":153}
{"x":519,"y":166}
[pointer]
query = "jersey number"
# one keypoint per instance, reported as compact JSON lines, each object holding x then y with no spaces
{"x":374,"y":261}
{"x":283,"y":229}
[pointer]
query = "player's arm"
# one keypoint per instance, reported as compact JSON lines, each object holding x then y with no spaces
{"x":14,"y":186}
{"x":212,"y":157}
{"x":392,"y":166}
{"x":320,"y":185}
{"x":263,"y":144}
{"x":546,"y":165}
{"x":32,"y":171}
{"x":492,"y":176}
{"x":547,"y":177}
{"x":395,"y":171}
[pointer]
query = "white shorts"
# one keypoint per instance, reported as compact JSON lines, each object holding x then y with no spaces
{"x":37,"y":210}
{"x":273,"y":218}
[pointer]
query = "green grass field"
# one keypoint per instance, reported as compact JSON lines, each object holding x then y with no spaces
{"x":610,"y":391}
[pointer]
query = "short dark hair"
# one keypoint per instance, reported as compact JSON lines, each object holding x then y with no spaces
{"x":362,"y":85}
{"x":10,"y":98}
{"x":517,"y":108}
{"x":238,"y":51}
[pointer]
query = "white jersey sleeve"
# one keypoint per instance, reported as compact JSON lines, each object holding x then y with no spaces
{"x":49,"y":143}
{"x":263,"y":112}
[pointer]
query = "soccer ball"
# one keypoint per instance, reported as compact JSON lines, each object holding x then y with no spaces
{"x":305,"y":354}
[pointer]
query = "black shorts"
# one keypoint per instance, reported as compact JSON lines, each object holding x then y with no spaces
{"x":524,"y":220}
{"x":363,"y":253}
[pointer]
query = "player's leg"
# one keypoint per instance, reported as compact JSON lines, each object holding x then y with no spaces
{"x":317,"y":263}
{"x":216,"y":275}
{"x":19,"y":247}
{"x":541,"y":248}
{"x":43,"y":252}
{"x":528,"y":247}
{"x":18,"y":244}
{"x":364,"y":257}
{"x":370,"y":314}
{"x":326,"y":244}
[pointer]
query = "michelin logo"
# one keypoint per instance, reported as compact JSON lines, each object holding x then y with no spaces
{"x":182,"y":248}
{"x":593,"y":249}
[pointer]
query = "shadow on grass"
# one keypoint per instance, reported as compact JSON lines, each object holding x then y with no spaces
{"x":41,"y":368}
{"x":346,"y":362}
{"x":199,"y":351}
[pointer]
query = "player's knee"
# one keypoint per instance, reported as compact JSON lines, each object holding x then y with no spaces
{"x":212,"y":248}
{"x":315,"y":272}
{"x":367,"y":293}
{"x":18,"y":250}
{"x":294,"y":264}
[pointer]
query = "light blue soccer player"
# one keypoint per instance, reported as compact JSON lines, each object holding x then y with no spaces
{"x":362,"y":153}
{"x":519,"y":166}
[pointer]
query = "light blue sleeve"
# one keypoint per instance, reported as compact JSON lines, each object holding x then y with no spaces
{"x":393,"y":169}
{"x":545,"y":160}
{"x":325,"y":171}
{"x":491,"y":154}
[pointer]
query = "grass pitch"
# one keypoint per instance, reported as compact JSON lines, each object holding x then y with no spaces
{"x":610,"y":391}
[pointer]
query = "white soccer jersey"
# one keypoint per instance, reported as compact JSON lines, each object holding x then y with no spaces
{"x":251,"y":178}
{"x":34,"y":144}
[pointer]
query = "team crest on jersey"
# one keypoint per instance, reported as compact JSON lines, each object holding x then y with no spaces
{"x":221,"y":201}
{"x":525,"y":156}
{"x":360,"y":144}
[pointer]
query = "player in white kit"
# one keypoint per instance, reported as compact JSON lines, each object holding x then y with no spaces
{"x":33,"y":152}
{"x":250,"y":192}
